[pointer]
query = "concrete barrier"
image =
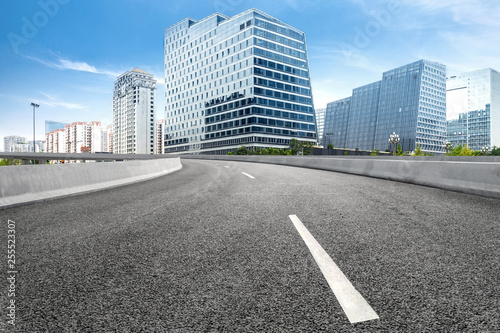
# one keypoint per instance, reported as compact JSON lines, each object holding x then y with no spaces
{"x":473,"y":175}
{"x":31,"y":183}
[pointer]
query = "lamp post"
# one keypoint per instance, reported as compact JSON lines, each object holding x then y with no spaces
{"x":394,"y":139}
{"x":34,"y":106}
{"x":447,"y":147}
{"x":484,"y":150}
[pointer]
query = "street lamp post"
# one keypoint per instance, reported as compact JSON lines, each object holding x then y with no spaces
{"x":447,"y":147}
{"x":394,"y":139}
{"x":34,"y":106}
{"x":484,"y":150}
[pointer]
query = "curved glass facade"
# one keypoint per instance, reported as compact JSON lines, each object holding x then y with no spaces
{"x":236,"y":80}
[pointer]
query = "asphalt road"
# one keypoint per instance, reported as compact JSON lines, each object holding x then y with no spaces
{"x":209,"y":249}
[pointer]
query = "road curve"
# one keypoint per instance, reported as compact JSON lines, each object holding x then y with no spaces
{"x":210,"y":249}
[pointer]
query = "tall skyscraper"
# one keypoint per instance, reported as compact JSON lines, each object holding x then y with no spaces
{"x":473,"y":109}
{"x":133,"y":113}
{"x":409,"y":100}
{"x":233,"y":81}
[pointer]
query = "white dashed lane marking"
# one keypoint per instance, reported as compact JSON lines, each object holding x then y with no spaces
{"x":249,"y":176}
{"x":354,"y":305}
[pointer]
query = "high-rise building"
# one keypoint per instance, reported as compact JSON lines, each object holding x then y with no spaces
{"x":233,"y":81}
{"x":409,"y":100}
{"x":473,"y":109}
{"x":133,"y":113}
{"x":51,"y":125}
{"x":320,"y":123}
{"x":159,"y":136}
{"x":77,"y":137}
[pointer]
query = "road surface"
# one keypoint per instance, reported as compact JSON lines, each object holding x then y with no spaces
{"x":213,"y":248}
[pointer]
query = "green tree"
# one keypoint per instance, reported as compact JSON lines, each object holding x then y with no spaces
{"x":418,"y":151}
{"x":9,"y":161}
{"x":242,"y":151}
{"x":399,"y":151}
{"x":495,"y":151}
{"x":330,"y":146}
{"x":461,"y":151}
{"x":298,"y":147}
{"x":375,"y":152}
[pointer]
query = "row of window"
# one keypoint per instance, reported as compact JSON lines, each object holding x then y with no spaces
{"x":280,"y":95}
{"x":279,"y":57}
{"x":279,"y":39}
{"x":283,"y":105}
{"x":259,"y":129}
{"x":279,"y":29}
{"x":281,"y":77}
{"x":261,"y":121}
{"x":278,"y":48}
{"x":281,"y":86}
{"x":283,"y":68}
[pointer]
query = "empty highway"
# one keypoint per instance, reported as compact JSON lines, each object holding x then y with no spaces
{"x":219,"y":247}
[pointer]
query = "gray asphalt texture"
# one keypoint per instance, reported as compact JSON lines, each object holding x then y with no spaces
{"x":207,"y":249}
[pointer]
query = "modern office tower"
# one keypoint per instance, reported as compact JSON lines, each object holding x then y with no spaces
{"x":77,"y":137}
{"x":234,"y":81}
{"x":51,"y":125}
{"x":133,"y":113}
{"x":473,"y":109}
{"x":320,"y":123}
{"x":159,"y":136}
{"x":409,"y":100}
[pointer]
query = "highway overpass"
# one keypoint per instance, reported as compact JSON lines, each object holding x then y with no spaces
{"x":216,"y":246}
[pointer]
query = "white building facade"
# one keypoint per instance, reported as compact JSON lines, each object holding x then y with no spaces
{"x":133,"y":113}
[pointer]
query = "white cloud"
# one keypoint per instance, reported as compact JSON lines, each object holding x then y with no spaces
{"x":66,"y":64}
{"x":52,"y":101}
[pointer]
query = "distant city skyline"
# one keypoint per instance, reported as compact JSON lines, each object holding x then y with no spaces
{"x":66,"y":55}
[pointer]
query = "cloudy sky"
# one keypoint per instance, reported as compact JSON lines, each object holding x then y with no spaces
{"x":65,"y":54}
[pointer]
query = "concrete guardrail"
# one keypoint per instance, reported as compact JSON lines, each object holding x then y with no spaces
{"x":474,"y":175}
{"x":30,"y":183}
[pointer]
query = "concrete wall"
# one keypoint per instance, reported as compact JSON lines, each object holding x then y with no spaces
{"x":473,"y":175}
{"x":30,"y":183}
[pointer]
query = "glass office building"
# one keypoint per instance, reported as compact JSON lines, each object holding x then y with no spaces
{"x":51,"y":125}
{"x":336,"y":121}
{"x":473,"y":109}
{"x":234,"y":81}
{"x":320,"y":123}
{"x":409,"y":100}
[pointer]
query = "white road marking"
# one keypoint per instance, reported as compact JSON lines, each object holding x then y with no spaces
{"x":250,"y":176}
{"x":225,"y":166}
{"x":354,"y":305}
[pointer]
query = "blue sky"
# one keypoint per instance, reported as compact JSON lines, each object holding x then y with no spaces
{"x":65,"y":54}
